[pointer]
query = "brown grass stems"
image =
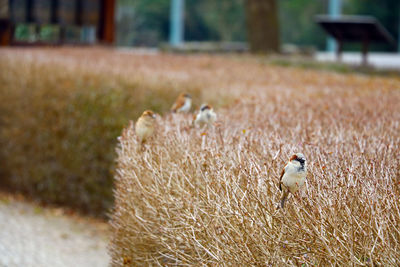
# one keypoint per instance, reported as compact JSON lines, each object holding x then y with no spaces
{"x":208,"y":197}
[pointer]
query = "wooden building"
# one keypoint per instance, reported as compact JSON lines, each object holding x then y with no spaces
{"x":95,"y":15}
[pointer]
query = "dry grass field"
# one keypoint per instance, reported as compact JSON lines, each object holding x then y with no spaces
{"x":209,"y":196}
{"x":62,"y":110}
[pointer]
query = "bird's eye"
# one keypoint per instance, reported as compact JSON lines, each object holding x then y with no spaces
{"x":301,"y":160}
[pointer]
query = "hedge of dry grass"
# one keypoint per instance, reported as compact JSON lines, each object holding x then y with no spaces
{"x":196,"y":197}
{"x":62,"y":109}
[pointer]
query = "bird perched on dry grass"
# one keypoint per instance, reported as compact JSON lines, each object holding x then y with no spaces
{"x":293,"y":176}
{"x":206,"y":116}
{"x":144,"y":126}
{"x":182,"y":104}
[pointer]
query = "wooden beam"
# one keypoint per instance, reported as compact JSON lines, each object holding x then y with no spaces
{"x":6,"y":32}
{"x":54,"y":13}
{"x":78,"y":12}
{"x":365,"y":47}
{"x":29,"y":11}
{"x":106,"y":32}
{"x":5,"y":23}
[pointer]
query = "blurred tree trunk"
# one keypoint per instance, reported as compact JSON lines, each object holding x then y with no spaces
{"x":262,"y":25}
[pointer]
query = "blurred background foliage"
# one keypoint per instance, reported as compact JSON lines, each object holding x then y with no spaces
{"x":146,"y":22}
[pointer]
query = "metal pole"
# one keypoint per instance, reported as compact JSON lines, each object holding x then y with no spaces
{"x":365,"y":46}
{"x":398,"y":37}
{"x":339,"y":51}
{"x":335,"y":9}
{"x":176,"y":22}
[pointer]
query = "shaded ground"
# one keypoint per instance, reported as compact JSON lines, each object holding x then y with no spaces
{"x":35,"y":236}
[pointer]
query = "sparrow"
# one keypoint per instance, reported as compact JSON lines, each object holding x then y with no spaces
{"x":206,"y":116}
{"x":144,"y":126}
{"x":182,"y":103}
{"x":293,"y":176}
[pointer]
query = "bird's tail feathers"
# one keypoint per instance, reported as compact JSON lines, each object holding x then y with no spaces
{"x":285,"y":193}
{"x":283,"y":202}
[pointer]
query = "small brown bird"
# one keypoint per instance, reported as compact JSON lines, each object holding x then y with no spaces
{"x":293,"y":176}
{"x":182,"y":104}
{"x":144,"y":126}
{"x":206,"y":116}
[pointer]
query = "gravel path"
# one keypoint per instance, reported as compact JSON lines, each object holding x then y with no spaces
{"x":34,"y":236}
{"x":384,"y":61}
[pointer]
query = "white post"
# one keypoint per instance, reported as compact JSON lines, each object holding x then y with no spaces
{"x":176,"y":22}
{"x":335,"y":9}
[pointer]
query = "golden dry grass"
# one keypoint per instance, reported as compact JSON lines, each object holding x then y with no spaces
{"x":209,"y":197}
{"x":196,"y":197}
{"x":62,"y":110}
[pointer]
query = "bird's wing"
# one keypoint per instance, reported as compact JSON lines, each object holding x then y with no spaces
{"x":280,"y":179}
{"x":178,"y":104}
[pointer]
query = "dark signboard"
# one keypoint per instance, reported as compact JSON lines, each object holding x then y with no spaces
{"x":355,"y":29}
